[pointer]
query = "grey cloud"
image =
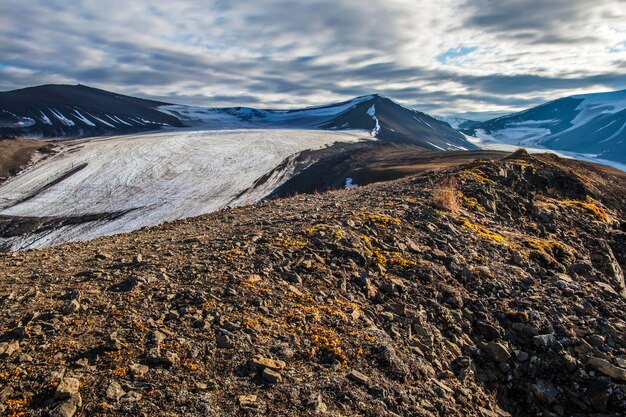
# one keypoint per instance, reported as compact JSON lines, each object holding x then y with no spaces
{"x":277,"y":53}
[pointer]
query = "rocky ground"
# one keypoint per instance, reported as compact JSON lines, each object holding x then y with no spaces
{"x":492,"y":289}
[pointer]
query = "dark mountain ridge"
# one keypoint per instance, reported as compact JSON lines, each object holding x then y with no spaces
{"x":52,"y":111}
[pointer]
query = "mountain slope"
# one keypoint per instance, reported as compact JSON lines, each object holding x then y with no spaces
{"x":375,"y":301}
{"x":587,"y":124}
{"x":386,"y":119}
{"x":458,"y":123}
{"x":79,"y":111}
{"x":75,"y":111}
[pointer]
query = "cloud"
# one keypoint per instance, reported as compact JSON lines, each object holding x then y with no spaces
{"x":449,"y":56}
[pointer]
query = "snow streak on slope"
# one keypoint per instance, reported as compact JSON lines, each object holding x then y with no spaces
{"x":154,"y":178}
{"x":372,"y":112}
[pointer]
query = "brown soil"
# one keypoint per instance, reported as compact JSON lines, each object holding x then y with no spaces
{"x":374,"y":301}
{"x":15,"y":154}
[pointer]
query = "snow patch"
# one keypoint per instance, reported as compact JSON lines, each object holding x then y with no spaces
{"x":62,"y":119}
{"x":435,"y":146}
{"x":102,"y":121}
{"x":372,"y":113}
{"x":616,"y":134}
{"x":45,"y":119}
{"x":84,"y":119}
{"x":349,"y":184}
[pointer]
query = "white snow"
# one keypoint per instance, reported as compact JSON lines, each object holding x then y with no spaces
{"x":597,"y":104}
{"x":120,"y":120}
{"x":438,"y":147}
{"x":163,"y":176}
{"x":62,"y":119}
{"x":349,"y":184}
{"x":372,"y":113}
{"x":84,"y":119}
{"x":248,"y":118}
{"x":423,"y":121}
{"x":616,"y":134}
{"x":454,"y":121}
{"x":45,"y":118}
{"x":102,"y":121}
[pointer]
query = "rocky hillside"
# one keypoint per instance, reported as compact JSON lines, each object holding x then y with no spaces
{"x":487,"y":289}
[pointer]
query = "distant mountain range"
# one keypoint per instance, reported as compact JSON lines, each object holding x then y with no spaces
{"x":79,"y":111}
{"x":456,"y":122}
{"x":591,"y":124}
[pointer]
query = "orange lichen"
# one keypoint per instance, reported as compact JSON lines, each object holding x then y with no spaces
{"x":290,"y":242}
{"x":192,"y":367}
{"x":16,"y":407}
{"x":380,"y":219}
{"x":477,"y":175}
{"x":471,"y":202}
{"x":233,"y":254}
{"x":483,"y":231}
{"x":590,"y":206}
{"x":336,"y":231}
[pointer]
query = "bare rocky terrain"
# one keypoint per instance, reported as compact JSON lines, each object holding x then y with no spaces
{"x":491,"y":288}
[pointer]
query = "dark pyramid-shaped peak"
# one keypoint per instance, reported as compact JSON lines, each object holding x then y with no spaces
{"x":393,"y":122}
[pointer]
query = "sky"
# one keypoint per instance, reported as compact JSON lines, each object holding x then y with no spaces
{"x":476,"y":58}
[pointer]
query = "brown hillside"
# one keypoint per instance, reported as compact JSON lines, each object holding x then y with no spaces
{"x":491,"y":288}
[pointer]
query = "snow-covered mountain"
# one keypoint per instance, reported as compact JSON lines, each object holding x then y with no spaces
{"x":203,"y":159}
{"x":589,"y":124}
{"x":80,"y":111}
{"x":384,"y":118}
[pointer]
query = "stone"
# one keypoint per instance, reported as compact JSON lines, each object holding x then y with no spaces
{"x":271,"y":376}
{"x":599,"y":392}
{"x":316,"y":404}
{"x":72,"y":307}
{"x":114,"y":391}
{"x":113,"y":342}
{"x":607,"y":368}
{"x":138,"y":370}
{"x":544,"y":340}
{"x":68,"y":408}
{"x":358,"y":377}
{"x":247,"y":401}
{"x":259,"y":363}
{"x":9,"y":348}
{"x":497,"y":351}
{"x":157,"y":337}
{"x":170,"y":359}
{"x":224,"y":339}
{"x":544,"y":391}
{"x":583,"y":347}
{"x":67,"y":387}
{"x":137,"y":259}
{"x":132,"y":397}
{"x":488,"y":331}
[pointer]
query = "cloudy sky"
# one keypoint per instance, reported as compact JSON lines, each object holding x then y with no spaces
{"x":445,"y":56}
